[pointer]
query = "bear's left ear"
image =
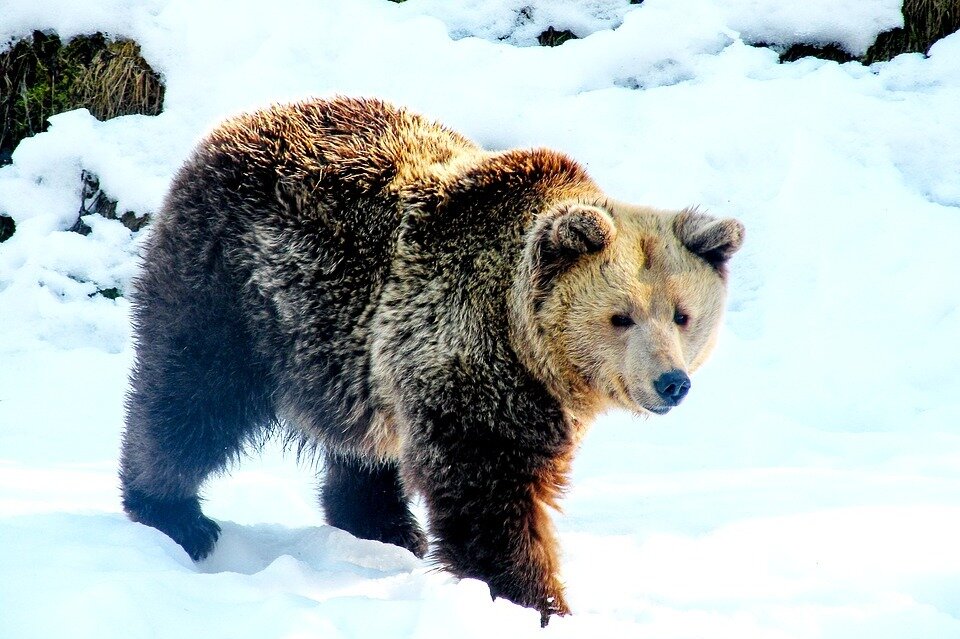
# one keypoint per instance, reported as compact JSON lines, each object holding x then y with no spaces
{"x":713,"y":239}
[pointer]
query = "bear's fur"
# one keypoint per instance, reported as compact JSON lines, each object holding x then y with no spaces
{"x":439,"y":319}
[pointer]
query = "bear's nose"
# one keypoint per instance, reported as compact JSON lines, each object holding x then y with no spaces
{"x":672,"y":386}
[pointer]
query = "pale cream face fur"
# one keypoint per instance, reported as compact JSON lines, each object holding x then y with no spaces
{"x":642,"y":306}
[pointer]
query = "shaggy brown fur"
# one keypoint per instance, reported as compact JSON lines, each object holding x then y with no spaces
{"x":440,"y":319}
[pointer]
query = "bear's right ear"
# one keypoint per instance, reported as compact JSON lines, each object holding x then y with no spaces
{"x":571,"y":229}
{"x":561,"y":235}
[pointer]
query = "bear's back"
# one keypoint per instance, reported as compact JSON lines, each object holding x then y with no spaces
{"x":364,"y":145}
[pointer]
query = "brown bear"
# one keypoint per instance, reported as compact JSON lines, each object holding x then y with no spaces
{"x":435,"y":318}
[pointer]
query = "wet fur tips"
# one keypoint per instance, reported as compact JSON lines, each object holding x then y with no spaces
{"x":435,"y":318}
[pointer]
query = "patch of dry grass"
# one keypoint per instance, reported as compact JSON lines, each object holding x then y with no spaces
{"x":119,"y":81}
{"x":925,"y":22}
{"x":40,"y":76}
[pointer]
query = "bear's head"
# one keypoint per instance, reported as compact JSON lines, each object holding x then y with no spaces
{"x":617,"y":304}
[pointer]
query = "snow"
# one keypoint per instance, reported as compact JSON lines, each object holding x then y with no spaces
{"x":519,"y":22}
{"x":809,"y":487}
{"x":853,"y":24}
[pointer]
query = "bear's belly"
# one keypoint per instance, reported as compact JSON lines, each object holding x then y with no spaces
{"x":370,"y":435}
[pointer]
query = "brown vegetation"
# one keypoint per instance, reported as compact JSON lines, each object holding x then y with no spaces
{"x":925,"y":22}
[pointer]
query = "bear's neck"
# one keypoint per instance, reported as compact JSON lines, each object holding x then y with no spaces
{"x":529,"y":342}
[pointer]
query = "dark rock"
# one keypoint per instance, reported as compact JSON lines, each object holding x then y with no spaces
{"x":7,"y":227}
{"x":95,"y":201}
{"x":553,"y":38}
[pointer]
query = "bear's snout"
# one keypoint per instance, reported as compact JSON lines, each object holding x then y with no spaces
{"x":672,"y":387}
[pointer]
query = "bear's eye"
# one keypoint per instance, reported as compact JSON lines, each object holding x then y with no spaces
{"x":621,"y":321}
{"x":680,"y":318}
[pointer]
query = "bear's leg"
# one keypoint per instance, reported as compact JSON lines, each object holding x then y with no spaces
{"x":489,"y":512}
{"x":367,"y":500}
{"x":194,"y":401}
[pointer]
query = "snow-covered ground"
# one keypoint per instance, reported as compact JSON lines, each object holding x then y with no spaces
{"x":808,"y":488}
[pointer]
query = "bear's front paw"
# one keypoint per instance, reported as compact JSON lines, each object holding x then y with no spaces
{"x":549,"y":603}
{"x":553,"y":605}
